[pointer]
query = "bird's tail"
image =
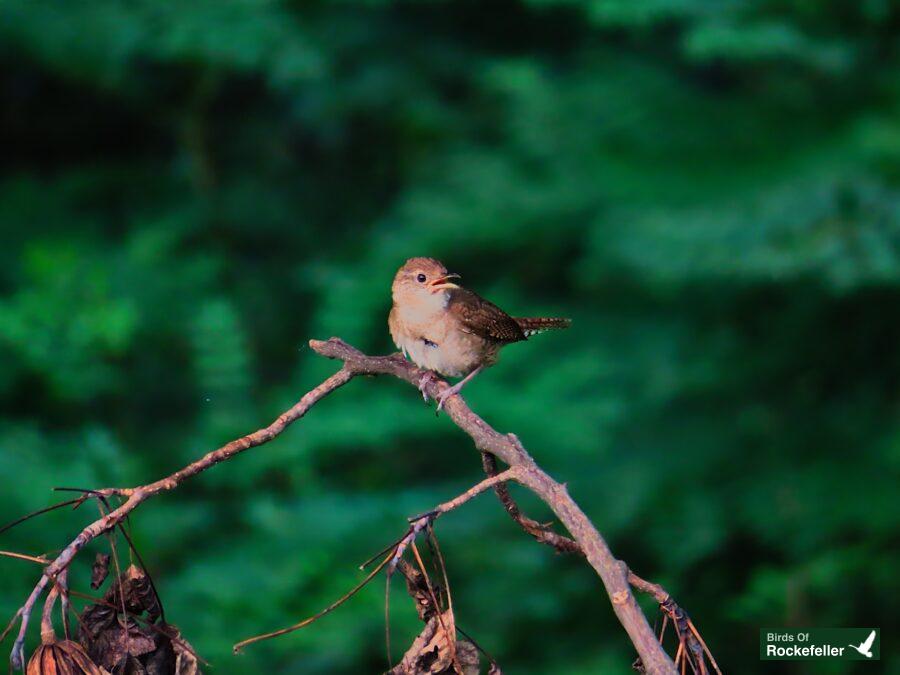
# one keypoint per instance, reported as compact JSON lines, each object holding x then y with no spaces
{"x":538,"y":324}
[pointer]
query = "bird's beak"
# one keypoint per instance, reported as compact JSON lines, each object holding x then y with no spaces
{"x":443,"y":283}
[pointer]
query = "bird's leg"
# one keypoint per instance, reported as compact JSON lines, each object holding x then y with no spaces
{"x":454,"y":390}
{"x":427,"y":378}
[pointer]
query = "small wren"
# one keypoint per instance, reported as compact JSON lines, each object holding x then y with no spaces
{"x":449,"y":330}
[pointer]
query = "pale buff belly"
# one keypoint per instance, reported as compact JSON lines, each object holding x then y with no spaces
{"x":441,"y":346}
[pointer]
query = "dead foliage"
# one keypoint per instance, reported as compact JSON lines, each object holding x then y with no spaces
{"x":63,"y":657}
{"x":691,"y":651}
{"x":99,"y":570}
{"x":436,"y":650}
{"x":123,"y":634}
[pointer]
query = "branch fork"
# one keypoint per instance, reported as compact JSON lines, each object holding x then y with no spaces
{"x":584,"y":538}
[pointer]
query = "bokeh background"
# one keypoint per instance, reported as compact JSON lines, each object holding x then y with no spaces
{"x":190,"y":191}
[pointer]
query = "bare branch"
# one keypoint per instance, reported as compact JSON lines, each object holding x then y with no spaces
{"x":506,"y":447}
{"x":690,"y":640}
{"x":540,"y":531}
{"x":488,"y":483}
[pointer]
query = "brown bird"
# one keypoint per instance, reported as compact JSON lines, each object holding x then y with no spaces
{"x":450,"y":330}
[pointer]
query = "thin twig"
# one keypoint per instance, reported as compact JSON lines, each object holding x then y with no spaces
{"x":540,"y":531}
{"x":474,"y":491}
{"x":136,"y":496}
{"x":39,"y":512}
{"x":88,"y":491}
{"x":318,"y":615}
{"x":9,"y":626}
{"x":62,"y":583}
{"x":438,"y":556}
{"x":111,"y":537}
{"x":133,"y":549}
{"x":468,"y":637}
{"x":21,"y":556}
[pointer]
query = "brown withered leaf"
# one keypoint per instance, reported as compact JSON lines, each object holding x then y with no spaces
{"x":118,"y":642}
{"x":115,"y":645}
{"x":63,"y":657}
{"x":137,"y":591}
{"x":130,"y":666}
{"x":417,"y":587}
{"x":467,"y":656}
{"x":99,"y":570}
{"x":186,"y":662}
{"x":433,"y":650}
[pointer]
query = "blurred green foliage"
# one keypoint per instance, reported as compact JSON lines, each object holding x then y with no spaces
{"x":711,"y":189}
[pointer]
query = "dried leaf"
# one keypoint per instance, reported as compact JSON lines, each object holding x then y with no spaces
{"x":417,"y":587}
{"x":63,"y":657}
{"x":99,"y":570}
{"x":137,"y":591}
{"x":186,"y":662}
{"x":467,"y":657}
{"x":122,"y":639}
{"x":118,"y":642}
{"x":433,"y":650}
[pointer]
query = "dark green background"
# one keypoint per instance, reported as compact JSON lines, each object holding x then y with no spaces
{"x":710,"y":188}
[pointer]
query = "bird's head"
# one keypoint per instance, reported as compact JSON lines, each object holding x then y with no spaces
{"x":421,"y":280}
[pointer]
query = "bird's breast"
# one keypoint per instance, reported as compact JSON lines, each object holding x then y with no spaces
{"x":435,"y":340}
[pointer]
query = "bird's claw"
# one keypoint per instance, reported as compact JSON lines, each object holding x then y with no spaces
{"x":444,"y":395}
{"x":427,"y":378}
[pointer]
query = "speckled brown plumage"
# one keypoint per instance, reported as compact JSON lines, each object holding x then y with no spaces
{"x":483,"y":318}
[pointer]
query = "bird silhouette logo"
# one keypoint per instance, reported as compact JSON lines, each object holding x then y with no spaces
{"x":865,"y":648}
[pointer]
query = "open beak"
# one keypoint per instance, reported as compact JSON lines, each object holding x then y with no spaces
{"x":443,"y":283}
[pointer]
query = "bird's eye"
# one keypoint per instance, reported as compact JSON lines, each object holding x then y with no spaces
{"x":421,"y":278}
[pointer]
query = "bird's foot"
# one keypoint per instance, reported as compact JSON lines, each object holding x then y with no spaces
{"x":447,"y":393}
{"x":427,"y":378}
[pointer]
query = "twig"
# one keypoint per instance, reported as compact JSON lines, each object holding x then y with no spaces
{"x":62,"y":583}
{"x":468,"y":637}
{"x":539,"y":531}
{"x":474,"y":491}
{"x":17,"y":656}
{"x":692,"y":647}
{"x":9,"y":626}
{"x":33,"y":514}
{"x":439,"y":557}
{"x":318,"y":615}
{"x":136,"y":496}
{"x":420,"y":522}
{"x":111,"y":537}
{"x":21,"y":556}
